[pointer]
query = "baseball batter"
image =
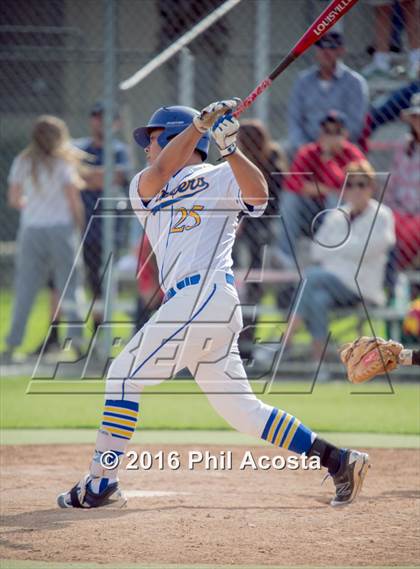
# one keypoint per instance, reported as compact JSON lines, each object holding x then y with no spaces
{"x":189,"y":210}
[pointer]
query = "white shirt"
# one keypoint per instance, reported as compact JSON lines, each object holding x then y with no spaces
{"x":191,"y":222}
{"x":46,"y":203}
{"x":344,"y":260}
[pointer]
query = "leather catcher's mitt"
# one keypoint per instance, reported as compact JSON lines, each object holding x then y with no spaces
{"x":367,"y":357}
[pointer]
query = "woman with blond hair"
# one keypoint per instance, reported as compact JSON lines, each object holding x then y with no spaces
{"x":44,"y":185}
{"x":344,"y":271}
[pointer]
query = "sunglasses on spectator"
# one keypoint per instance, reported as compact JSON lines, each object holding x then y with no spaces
{"x":332,"y":128}
{"x":361,"y":184}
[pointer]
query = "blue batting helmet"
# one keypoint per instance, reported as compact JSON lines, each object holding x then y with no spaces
{"x":174,"y":120}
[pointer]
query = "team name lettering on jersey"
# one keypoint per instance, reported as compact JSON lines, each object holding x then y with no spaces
{"x":191,"y":223}
{"x":195,"y":185}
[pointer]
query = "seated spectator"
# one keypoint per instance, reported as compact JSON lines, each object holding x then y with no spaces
{"x":255,"y":142}
{"x":314,"y":182}
{"x":388,"y":110}
{"x":339,"y":252}
{"x":391,"y":108}
{"x":403,"y":190}
{"x":328,"y":85}
{"x":381,"y":63}
{"x":44,"y":184}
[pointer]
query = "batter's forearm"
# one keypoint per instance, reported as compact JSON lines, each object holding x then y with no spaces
{"x":177,"y":152}
{"x":253,"y":186}
{"x":172,"y":158}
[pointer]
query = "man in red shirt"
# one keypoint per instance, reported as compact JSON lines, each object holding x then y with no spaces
{"x":314,"y":182}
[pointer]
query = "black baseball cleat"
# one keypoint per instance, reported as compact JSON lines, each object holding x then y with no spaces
{"x":82,"y":495}
{"x":348,"y":479}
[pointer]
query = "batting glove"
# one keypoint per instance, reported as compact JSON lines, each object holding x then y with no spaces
{"x":225,"y":131}
{"x":212,"y":112}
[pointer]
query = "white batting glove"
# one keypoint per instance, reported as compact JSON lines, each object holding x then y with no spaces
{"x":212,"y":112}
{"x":224,"y":132}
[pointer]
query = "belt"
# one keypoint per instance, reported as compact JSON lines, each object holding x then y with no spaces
{"x":189,"y":281}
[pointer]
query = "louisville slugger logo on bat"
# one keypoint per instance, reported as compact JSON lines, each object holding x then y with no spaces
{"x":332,"y":16}
{"x":329,"y":17}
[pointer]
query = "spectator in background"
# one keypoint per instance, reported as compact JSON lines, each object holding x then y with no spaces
{"x":93,"y":146}
{"x":381,"y":63}
{"x":44,"y":184}
{"x":255,"y":142}
{"x":328,"y":85}
{"x":403,"y":191}
{"x":337,"y":250}
{"x":315,"y":179}
{"x":388,"y":110}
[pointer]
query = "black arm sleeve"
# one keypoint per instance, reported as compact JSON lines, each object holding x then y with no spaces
{"x":416,"y":358}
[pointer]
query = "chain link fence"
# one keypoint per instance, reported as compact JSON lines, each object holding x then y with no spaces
{"x":54,"y":61}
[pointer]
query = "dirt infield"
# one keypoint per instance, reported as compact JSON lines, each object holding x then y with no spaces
{"x":263,"y":517}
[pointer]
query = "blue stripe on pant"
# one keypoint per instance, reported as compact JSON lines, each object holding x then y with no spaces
{"x":166,"y":340}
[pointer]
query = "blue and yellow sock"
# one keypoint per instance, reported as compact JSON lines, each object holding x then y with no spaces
{"x":286,"y":431}
{"x":120,"y":418}
{"x":118,"y":425}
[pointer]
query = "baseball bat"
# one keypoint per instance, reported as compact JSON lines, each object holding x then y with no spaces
{"x":329,"y":17}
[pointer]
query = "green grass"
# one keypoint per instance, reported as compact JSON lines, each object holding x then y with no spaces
{"x":344,"y":328}
{"x":203,"y":438}
{"x":39,"y":321}
{"x":331,"y":407}
{"x":37,"y":325}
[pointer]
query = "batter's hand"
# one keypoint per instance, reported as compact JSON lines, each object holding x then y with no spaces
{"x":212,"y":112}
{"x":225,"y":131}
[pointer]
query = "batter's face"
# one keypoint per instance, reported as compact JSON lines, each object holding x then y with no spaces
{"x":153,"y":150}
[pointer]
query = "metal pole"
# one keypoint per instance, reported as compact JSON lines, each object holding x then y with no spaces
{"x":262,"y":55}
{"x":186,"y":78}
{"x":108,"y":220}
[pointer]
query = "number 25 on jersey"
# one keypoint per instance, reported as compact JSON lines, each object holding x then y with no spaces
{"x":186,"y":217}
